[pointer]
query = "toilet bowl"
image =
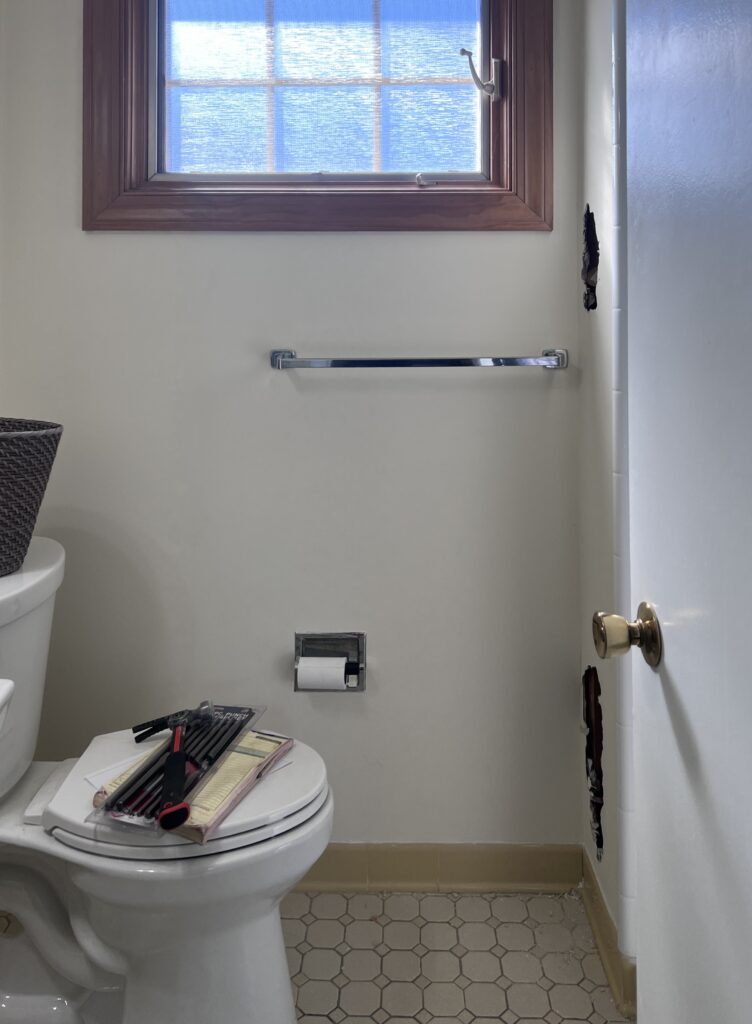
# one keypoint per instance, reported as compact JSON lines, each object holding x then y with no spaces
{"x":189,"y":933}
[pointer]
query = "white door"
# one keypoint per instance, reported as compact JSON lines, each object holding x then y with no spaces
{"x":689,"y":112}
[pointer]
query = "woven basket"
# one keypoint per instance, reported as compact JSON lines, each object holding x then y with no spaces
{"x":27,"y":451}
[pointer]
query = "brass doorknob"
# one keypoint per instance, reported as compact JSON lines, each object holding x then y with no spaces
{"x":614,"y":635}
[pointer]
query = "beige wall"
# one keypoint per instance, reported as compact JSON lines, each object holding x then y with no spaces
{"x":210,"y":507}
{"x":597,"y":585}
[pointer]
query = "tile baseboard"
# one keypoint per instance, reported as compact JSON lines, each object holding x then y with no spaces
{"x":445,"y":867}
{"x":621,"y":971}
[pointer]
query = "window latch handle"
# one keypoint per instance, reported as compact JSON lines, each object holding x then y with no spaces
{"x":492,"y":87}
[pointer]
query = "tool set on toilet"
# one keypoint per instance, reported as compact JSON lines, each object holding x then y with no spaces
{"x":191,"y":781}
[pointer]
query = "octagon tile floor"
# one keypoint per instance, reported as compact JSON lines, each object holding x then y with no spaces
{"x":444,"y":958}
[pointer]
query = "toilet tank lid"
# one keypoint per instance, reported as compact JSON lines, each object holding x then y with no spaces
{"x":36,"y":580}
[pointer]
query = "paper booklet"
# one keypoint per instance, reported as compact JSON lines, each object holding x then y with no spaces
{"x":235,"y":775}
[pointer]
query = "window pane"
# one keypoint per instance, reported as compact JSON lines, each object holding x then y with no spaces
{"x":324,"y":39}
{"x":423,"y":38}
{"x":215,"y":39}
{"x":329,"y":129}
{"x":313,"y":86}
{"x":215,"y":131}
{"x":431,"y":128}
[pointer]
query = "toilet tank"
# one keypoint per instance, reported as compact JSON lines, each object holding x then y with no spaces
{"x":27,"y":600}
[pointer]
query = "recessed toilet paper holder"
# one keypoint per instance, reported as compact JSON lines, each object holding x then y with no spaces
{"x":351,"y":646}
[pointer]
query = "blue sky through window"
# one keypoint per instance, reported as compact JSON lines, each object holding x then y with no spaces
{"x":309,"y":86}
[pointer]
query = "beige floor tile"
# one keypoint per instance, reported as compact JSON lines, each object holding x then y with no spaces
{"x":593,"y":968}
{"x":293,"y":931}
{"x":563,"y":968}
{"x":473,"y":908}
{"x":485,"y":999}
{"x":329,"y":906}
{"x":401,"y":935}
{"x":363,"y":934}
{"x":295,"y":904}
{"x":402,"y":999}
{"x":509,"y":908}
{"x":294,"y":960}
{"x":571,"y":1001}
{"x":438,"y":965}
{"x":365,"y":906}
{"x":437,"y":908}
{"x":438,"y":936}
{"x":583,"y":937}
{"x":476,"y":936}
{"x":361,"y":965}
{"x":401,"y":965}
{"x":603,"y":1003}
{"x":521,"y":967}
{"x":325,"y":934}
{"x":360,"y":998}
{"x":401,"y":907}
{"x":481,"y":966}
{"x":546,"y":909}
{"x":553,"y":938}
{"x":515,"y":936}
{"x":443,"y":999}
{"x":528,"y":1001}
{"x":317,"y":997}
{"x":574,"y":911}
{"x":321,"y":964}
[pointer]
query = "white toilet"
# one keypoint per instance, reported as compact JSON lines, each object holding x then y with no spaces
{"x":178,"y":932}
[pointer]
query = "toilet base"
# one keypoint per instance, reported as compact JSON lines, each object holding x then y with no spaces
{"x":200,"y":941}
{"x":38,"y":1010}
{"x":238,"y":975}
{"x":103,"y":1008}
{"x":31,"y":992}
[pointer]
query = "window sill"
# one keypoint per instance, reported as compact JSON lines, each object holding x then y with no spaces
{"x":171,"y":208}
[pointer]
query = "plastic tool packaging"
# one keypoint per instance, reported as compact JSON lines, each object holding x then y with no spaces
{"x":223,"y":760}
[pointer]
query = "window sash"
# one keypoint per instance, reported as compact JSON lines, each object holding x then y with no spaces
{"x":159,"y":84}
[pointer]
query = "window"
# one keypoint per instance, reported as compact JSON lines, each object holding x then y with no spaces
{"x":316,"y":115}
{"x":360,"y":88}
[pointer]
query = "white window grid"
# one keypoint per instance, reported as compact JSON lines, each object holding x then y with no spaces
{"x":377,"y":81}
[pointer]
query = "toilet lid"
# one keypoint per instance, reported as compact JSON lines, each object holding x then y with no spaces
{"x":286,"y":797}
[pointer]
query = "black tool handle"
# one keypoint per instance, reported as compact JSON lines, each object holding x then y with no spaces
{"x":155,"y":725}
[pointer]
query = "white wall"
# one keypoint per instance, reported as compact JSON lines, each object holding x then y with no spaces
{"x":211,"y":507}
{"x":597,"y":514}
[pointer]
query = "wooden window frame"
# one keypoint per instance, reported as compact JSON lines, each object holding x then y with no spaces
{"x":120,"y":194}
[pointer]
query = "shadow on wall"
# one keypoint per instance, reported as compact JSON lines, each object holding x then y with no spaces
{"x":109,"y":649}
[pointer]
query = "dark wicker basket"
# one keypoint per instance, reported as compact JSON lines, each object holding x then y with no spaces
{"x":27,"y":451}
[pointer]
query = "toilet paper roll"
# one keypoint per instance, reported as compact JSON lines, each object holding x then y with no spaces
{"x":321,"y":673}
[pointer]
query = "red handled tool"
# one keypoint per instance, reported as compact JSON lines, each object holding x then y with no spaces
{"x":174,"y":810}
{"x":173,"y":807}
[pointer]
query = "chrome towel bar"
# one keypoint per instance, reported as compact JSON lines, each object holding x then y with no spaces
{"x":551,"y":359}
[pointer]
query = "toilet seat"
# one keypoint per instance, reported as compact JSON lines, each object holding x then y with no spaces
{"x":286,"y":798}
